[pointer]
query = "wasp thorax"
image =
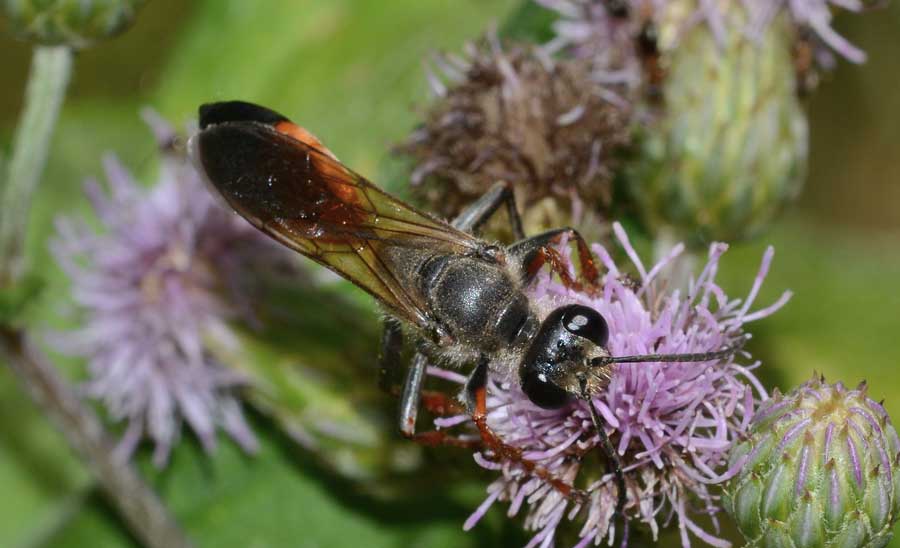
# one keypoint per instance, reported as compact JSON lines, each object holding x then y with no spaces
{"x":558,"y":366}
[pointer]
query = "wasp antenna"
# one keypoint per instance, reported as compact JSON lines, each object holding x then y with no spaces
{"x":699,"y":357}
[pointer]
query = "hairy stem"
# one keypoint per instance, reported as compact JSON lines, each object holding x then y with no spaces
{"x":136,"y":502}
{"x":47,"y":82}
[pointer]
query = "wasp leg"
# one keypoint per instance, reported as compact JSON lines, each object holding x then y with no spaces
{"x":612,"y":459}
{"x":411,"y":396}
{"x":437,"y":403}
{"x":473,"y":217}
{"x":434,"y":438}
{"x":389,"y":361}
{"x":536,"y":251}
{"x":440,"y":404}
{"x":475,"y":394}
{"x":616,"y":464}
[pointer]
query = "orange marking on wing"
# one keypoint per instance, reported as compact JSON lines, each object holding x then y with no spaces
{"x":303,"y":135}
{"x":345,"y":193}
{"x":335,"y":175}
{"x":339,"y":181}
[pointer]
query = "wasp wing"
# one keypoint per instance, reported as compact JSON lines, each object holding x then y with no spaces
{"x":282,"y":180}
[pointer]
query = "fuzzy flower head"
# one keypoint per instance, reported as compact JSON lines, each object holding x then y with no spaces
{"x":156,"y":288}
{"x":672,"y":424}
{"x":513,"y":114}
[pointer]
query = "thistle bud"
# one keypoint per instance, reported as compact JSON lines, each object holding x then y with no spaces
{"x":821,"y":468}
{"x":727,"y":146}
{"x":76,"y":23}
{"x":514,"y":114}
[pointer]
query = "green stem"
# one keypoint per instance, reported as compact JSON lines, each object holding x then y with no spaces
{"x":146,"y":515}
{"x":47,"y":82}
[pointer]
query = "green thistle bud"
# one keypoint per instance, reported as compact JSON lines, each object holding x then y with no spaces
{"x":76,"y":23}
{"x":728,"y":144}
{"x":821,"y":468}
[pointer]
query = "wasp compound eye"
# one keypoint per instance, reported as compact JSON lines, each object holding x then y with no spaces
{"x":542,"y":391}
{"x":587,"y":323}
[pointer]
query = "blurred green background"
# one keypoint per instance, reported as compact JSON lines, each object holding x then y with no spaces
{"x":352,"y":72}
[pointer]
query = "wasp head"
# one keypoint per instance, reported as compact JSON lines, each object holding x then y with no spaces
{"x":558,"y":365}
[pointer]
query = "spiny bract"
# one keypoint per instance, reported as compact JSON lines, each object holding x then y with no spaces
{"x":820,"y":470}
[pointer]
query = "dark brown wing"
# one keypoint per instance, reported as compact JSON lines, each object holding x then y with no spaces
{"x":280,"y":178}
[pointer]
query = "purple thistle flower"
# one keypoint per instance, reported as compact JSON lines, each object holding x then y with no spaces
{"x":815,"y":15}
{"x":592,"y":29}
{"x":157,"y":288}
{"x":672,"y":424}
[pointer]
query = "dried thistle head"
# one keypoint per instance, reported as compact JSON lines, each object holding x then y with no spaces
{"x":517,"y":115}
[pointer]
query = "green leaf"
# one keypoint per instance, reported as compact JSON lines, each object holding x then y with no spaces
{"x":282,"y":498}
{"x":311,"y":366}
{"x":349,"y":71}
{"x":15,"y":300}
{"x":529,"y":22}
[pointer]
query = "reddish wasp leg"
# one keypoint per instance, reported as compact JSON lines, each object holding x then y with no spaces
{"x":588,"y":272}
{"x":539,"y":252}
{"x":586,"y":261}
{"x":440,"y":404}
{"x":548,"y":255}
{"x":514,"y":454}
{"x":434,"y":438}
